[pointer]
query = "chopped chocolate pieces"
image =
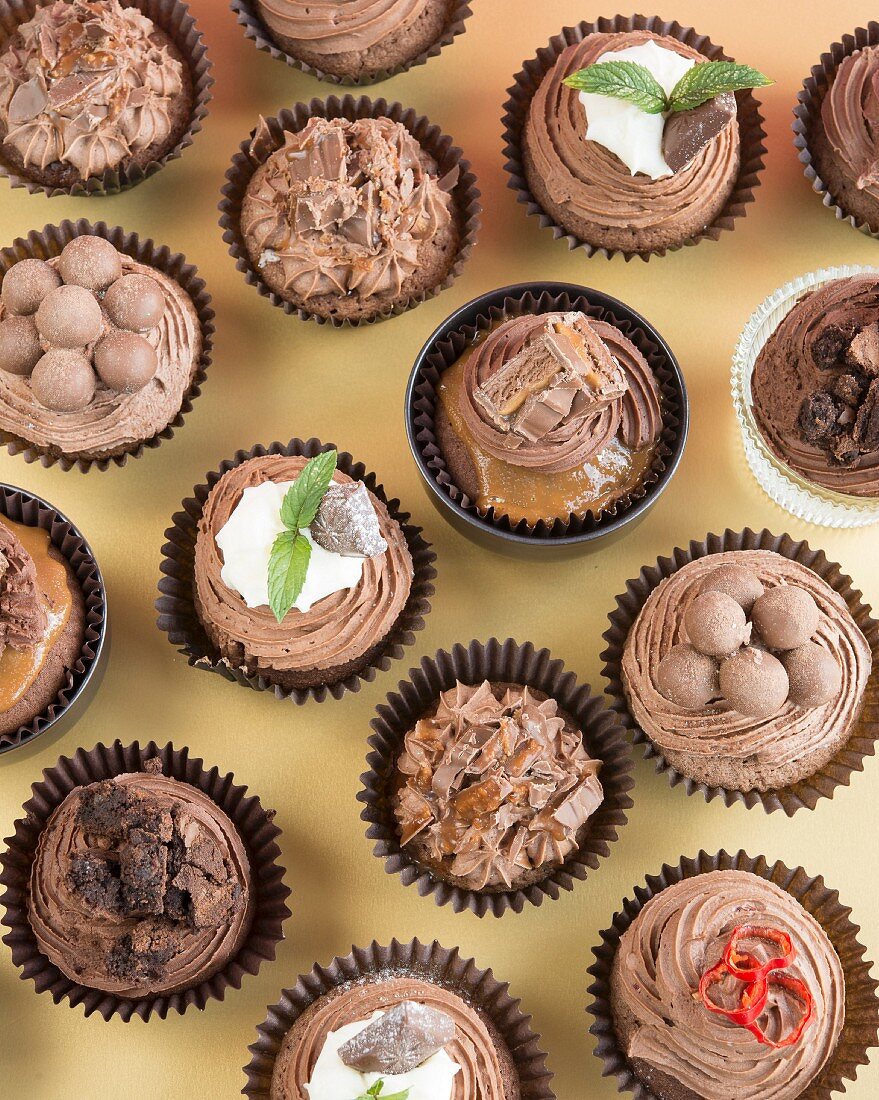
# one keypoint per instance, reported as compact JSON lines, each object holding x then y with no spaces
{"x":142,"y":953}
{"x":850,"y":387}
{"x":863,"y":351}
{"x":866,"y":432}
{"x":346,"y":522}
{"x":94,"y":880}
{"x":844,"y":449}
{"x":829,"y":348}
{"x":686,"y":133}
{"x":143,"y":866}
{"x":818,"y":418}
{"x":404,"y":1037}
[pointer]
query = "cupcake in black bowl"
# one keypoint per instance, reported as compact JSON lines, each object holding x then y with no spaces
{"x":545,"y":414}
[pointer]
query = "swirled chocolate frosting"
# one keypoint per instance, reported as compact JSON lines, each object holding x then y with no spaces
{"x":850,"y":115}
{"x":343,"y":207}
{"x":661,"y":1021}
{"x":84,"y":83}
{"x":140,"y":885}
{"x":339,"y":26}
{"x":23,"y":619}
{"x":337,"y":629}
{"x":114,"y":420}
{"x":591,"y":183}
{"x":549,"y":391}
{"x":494,"y":787}
{"x":483,"y":1074}
{"x":815,"y":386}
{"x":717,"y":730}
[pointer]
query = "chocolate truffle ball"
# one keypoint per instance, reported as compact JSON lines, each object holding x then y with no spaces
{"x":125,"y":361}
{"x":90,"y":262}
{"x":69,"y":317}
{"x":63,"y":380}
{"x":135,"y":302}
{"x":26,"y":284}
{"x":753,"y":682}
{"x":737,"y":581}
{"x":19,"y":345}
{"x":715,"y":624}
{"x":687,"y":677}
{"x":785,"y":617}
{"x":814,"y":673}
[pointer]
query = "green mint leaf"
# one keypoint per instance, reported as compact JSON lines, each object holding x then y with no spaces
{"x":288,"y":564}
{"x":622,"y":80}
{"x":375,"y":1090}
{"x":303,"y":498}
{"x":711,"y":78}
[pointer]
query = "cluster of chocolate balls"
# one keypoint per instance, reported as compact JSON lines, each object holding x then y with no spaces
{"x":731,"y":626}
{"x":70,"y":324}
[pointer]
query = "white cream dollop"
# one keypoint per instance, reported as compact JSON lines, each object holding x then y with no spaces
{"x":623,"y":128}
{"x":246,"y":541}
{"x":331,"y":1079}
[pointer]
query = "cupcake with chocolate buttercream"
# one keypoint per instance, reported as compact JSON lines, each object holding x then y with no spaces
{"x":92,"y":93}
{"x":549,"y":416}
{"x":349,"y":219}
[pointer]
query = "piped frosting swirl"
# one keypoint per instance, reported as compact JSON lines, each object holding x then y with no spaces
{"x":330,"y":27}
{"x":850,"y":115}
{"x":679,"y":934}
{"x":23,"y":619}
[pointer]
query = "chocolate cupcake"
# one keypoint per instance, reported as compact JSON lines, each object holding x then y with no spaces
{"x":390,"y":1019}
{"x":835,"y":127}
{"x":729,"y":977}
{"x":300,"y":575}
{"x":358,"y":43}
{"x":139,"y":882}
{"x":104,"y":341}
{"x":95,"y":96}
{"x":349,"y":211}
{"x":659,"y":167}
{"x":747,"y":666}
{"x":494,"y":778}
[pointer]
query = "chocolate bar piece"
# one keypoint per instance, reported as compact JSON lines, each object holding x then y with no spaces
{"x":407,"y":1035}
{"x":346,"y":522}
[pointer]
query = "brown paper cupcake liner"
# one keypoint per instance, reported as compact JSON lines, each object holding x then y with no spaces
{"x":526,"y":82}
{"x":449,"y":349}
{"x":50,"y":242}
{"x":254,"y":825}
{"x":808,"y":111}
{"x":20,"y":506}
{"x":176,"y":604}
{"x":170,"y":16}
{"x":806,"y":793}
{"x":256,"y":30}
{"x":428,"y":136}
{"x":430,"y":962}
{"x":499,"y":662}
{"x":859,"y":1031}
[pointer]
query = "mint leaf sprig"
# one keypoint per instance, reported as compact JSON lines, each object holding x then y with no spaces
{"x":375,"y":1090}
{"x":291,"y":550}
{"x":634,"y":83}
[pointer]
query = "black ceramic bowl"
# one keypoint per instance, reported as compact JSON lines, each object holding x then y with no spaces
{"x":20,"y":506}
{"x":446,"y":345}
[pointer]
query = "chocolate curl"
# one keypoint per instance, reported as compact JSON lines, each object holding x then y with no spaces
{"x":466,"y":206}
{"x":861,"y":1027}
{"x":526,"y":82}
{"x":50,"y":242}
{"x":170,"y":16}
{"x":508,"y":663}
{"x":865,"y":732}
{"x":254,"y":825}
{"x":20,"y":506}
{"x":259,"y":34}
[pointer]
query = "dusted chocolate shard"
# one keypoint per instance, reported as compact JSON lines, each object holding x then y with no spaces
{"x":866,"y":431}
{"x":346,"y":522}
{"x":686,"y":133}
{"x":863,"y":351}
{"x":400,"y":1041}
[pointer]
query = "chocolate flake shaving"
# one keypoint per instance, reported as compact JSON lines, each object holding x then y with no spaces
{"x":400,"y":1041}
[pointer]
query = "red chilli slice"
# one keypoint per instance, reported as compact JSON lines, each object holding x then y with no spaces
{"x":750,"y":973}
{"x":751,"y":1003}
{"x":801,"y":992}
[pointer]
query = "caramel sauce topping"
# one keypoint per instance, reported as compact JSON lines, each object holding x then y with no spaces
{"x":19,"y":668}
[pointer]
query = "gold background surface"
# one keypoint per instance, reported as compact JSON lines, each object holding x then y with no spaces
{"x":274,"y":377}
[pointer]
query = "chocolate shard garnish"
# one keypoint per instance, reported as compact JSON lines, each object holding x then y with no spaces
{"x":346,"y":522}
{"x":863,"y":351}
{"x":866,"y":432}
{"x":27,"y":101}
{"x":405,"y":1037}
{"x":686,"y":133}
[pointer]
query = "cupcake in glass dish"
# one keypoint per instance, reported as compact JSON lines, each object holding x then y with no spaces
{"x":806,"y":391}
{"x":633,"y":135}
{"x":96,"y":95}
